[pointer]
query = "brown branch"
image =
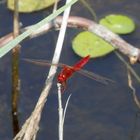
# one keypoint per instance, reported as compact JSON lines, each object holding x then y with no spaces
{"x":15,"y":71}
{"x":116,"y":41}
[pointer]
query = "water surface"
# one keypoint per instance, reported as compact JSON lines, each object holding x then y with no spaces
{"x":95,"y":111}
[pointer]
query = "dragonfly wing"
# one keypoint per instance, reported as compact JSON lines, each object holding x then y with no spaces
{"x":42,"y":62}
{"x":96,"y":77}
{"x":86,"y":73}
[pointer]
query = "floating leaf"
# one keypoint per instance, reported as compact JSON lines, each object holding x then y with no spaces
{"x":30,"y":5}
{"x":86,"y":43}
{"x":119,"y":24}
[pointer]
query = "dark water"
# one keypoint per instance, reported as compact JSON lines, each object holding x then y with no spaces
{"x":95,"y":111}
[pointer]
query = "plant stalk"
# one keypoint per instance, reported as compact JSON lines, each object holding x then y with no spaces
{"x":15,"y":71}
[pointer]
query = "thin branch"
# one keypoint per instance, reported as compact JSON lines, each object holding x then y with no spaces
{"x":131,"y":71}
{"x":112,"y":38}
{"x":78,"y":22}
{"x":136,"y":100}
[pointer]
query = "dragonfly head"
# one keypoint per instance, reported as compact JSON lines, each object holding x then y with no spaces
{"x":61,"y":78}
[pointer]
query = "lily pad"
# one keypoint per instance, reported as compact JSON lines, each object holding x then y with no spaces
{"x":87,"y":43}
{"x":30,"y":5}
{"x":119,"y":24}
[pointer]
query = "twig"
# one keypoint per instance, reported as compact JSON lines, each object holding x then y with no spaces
{"x":130,"y":69}
{"x":107,"y":35}
{"x":30,"y":128}
{"x":136,"y":100}
{"x":78,"y":22}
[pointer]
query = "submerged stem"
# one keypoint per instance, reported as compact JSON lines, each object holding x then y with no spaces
{"x":129,"y":67}
{"x":15,"y":71}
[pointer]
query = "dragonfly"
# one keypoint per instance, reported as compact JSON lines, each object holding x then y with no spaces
{"x":67,"y":71}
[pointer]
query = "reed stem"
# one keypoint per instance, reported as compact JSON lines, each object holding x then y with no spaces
{"x":15,"y":71}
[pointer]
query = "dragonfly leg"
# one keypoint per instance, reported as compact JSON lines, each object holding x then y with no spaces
{"x":63,"y":87}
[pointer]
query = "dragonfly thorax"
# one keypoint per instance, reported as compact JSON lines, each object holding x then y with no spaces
{"x":65,"y":74}
{"x":61,"y":78}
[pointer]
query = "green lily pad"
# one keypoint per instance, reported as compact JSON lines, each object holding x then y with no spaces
{"x":30,"y":5}
{"x":87,"y":43}
{"x":119,"y":24}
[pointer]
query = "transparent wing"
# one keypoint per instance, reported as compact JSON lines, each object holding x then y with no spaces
{"x":43,"y":62}
{"x":96,"y":77}
{"x":86,"y":73}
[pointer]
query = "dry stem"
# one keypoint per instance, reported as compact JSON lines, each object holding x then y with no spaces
{"x":15,"y":71}
{"x":31,"y":126}
{"x":60,"y":110}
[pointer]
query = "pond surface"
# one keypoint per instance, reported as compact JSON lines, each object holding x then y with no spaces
{"x":95,"y":111}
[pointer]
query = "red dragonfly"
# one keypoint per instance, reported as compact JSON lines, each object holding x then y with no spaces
{"x":67,"y":71}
